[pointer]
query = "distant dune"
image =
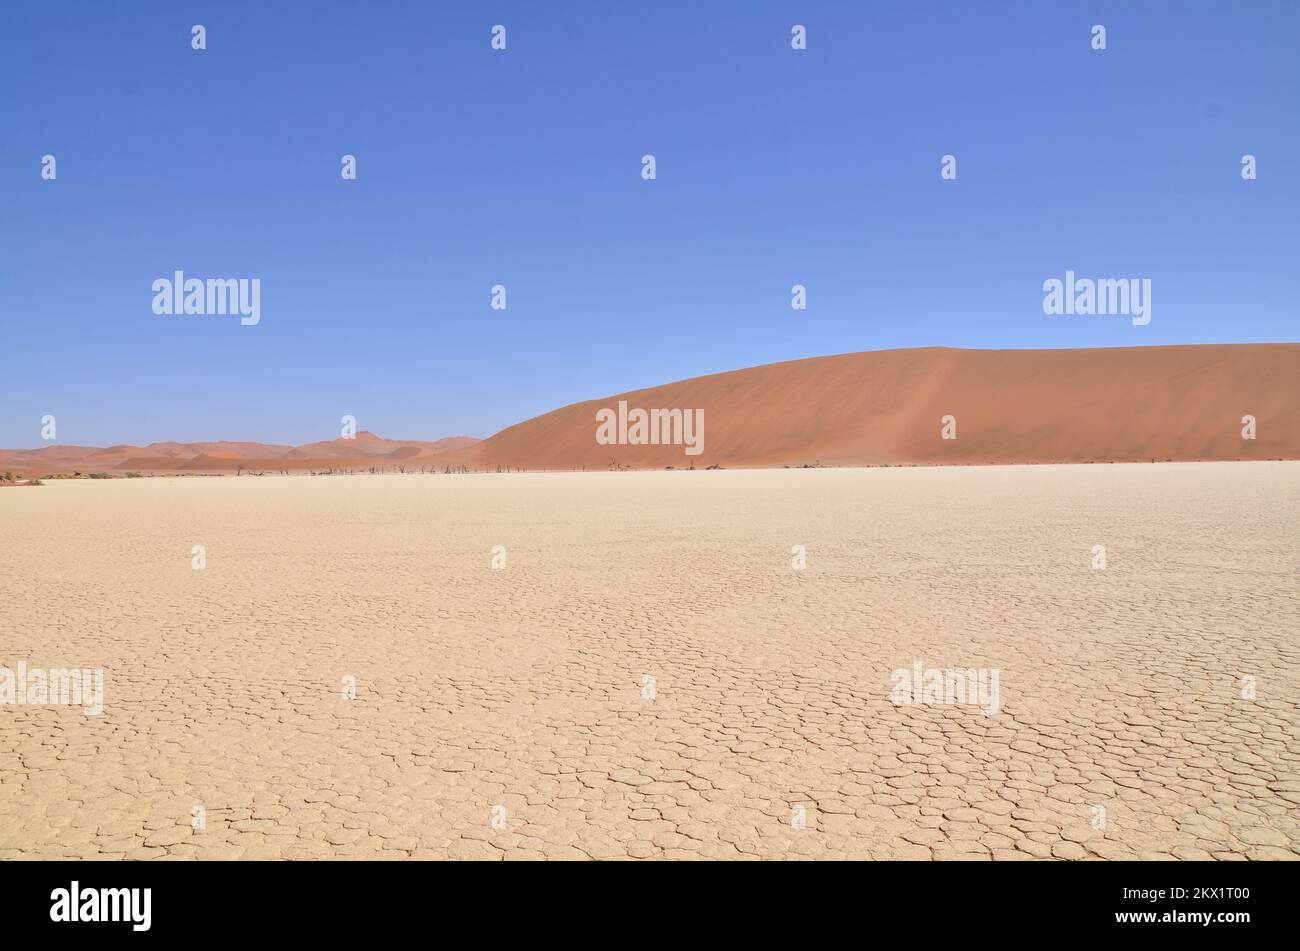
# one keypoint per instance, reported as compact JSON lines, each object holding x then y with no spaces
{"x":364,"y":451}
{"x":1130,"y":404}
{"x":886,"y":407}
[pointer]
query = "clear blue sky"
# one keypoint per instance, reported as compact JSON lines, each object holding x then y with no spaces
{"x":522,"y":168}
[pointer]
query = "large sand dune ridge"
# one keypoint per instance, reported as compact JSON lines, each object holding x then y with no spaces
{"x":1132,"y":404}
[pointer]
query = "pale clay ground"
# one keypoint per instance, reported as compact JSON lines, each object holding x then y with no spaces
{"x":522,"y":687}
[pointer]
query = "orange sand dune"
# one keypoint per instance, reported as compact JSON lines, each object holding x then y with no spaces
{"x":1011,"y":406}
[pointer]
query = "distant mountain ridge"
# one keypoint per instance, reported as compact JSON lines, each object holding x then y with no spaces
{"x":363,"y":451}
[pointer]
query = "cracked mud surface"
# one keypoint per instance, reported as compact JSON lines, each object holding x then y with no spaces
{"x":516,"y":695}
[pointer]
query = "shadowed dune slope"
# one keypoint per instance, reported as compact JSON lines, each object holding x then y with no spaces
{"x":1011,"y":406}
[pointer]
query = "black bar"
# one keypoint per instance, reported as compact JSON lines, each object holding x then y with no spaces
{"x":922,"y":903}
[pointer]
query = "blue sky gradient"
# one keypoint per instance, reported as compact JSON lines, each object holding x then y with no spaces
{"x":522,"y":167}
